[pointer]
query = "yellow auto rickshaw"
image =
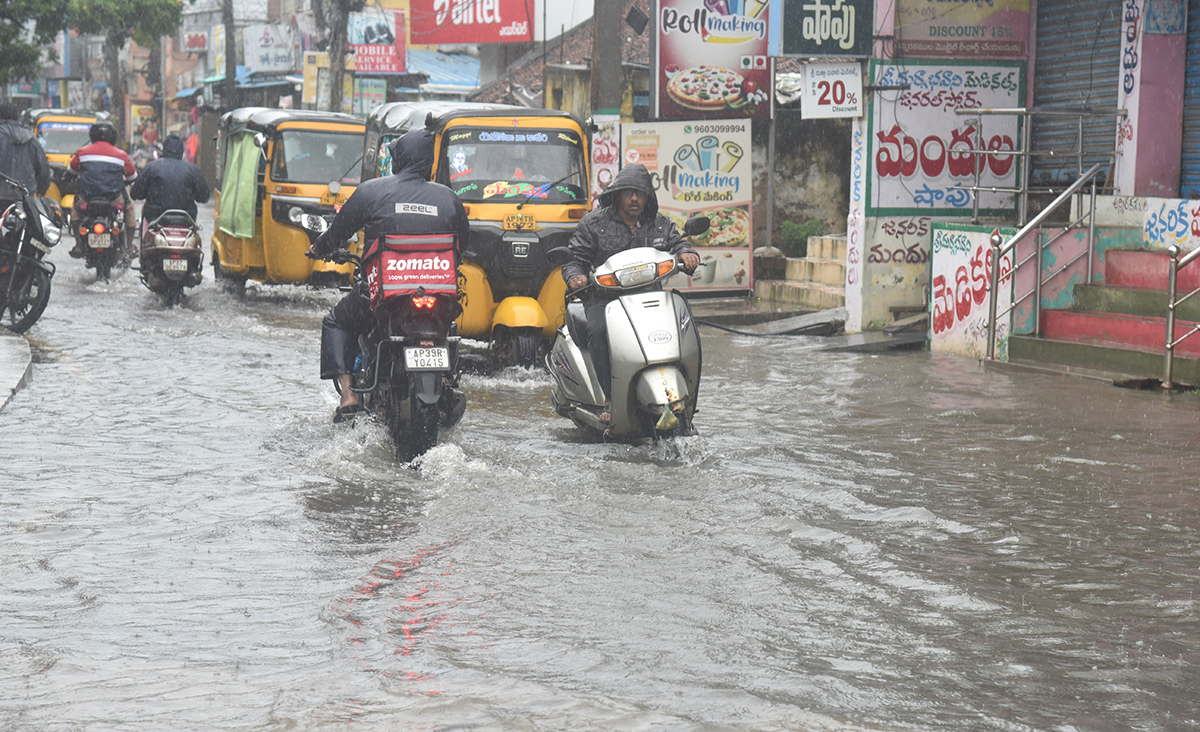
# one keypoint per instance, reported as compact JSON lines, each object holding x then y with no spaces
{"x":274,"y":165}
{"x":523,"y":176}
{"x":61,"y":132}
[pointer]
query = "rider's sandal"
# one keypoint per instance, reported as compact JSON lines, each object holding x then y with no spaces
{"x":346,"y":413}
{"x":606,"y":416}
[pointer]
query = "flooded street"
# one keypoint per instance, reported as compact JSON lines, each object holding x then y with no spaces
{"x":853,"y":542}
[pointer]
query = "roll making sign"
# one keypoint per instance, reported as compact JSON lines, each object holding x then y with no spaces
{"x":712,"y":59}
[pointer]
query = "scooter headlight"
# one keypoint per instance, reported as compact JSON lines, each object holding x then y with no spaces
{"x":636,"y":275}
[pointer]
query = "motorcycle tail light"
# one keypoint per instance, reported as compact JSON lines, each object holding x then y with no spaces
{"x":98,"y":228}
{"x":424,"y":301}
{"x":83,"y":231}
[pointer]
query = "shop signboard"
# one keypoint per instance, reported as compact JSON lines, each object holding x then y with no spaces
{"x":712,"y":60}
{"x":826,"y":28}
{"x":918,"y":144}
{"x":961,"y":273}
{"x":996,"y":29}
{"x":472,"y":21}
{"x":268,"y":48}
{"x":377,"y":37}
{"x":702,"y":168}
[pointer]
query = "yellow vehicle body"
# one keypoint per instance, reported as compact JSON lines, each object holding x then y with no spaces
{"x":523,"y":177}
{"x":61,"y":132}
{"x":296,"y":154}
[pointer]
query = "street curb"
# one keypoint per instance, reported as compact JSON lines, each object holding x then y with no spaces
{"x":16,"y":365}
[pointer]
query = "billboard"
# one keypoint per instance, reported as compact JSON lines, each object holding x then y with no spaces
{"x":712,"y":60}
{"x":998,"y":29}
{"x":268,"y":48}
{"x":377,"y":37}
{"x":918,"y":142}
{"x":471,"y":21}
{"x":702,"y":169}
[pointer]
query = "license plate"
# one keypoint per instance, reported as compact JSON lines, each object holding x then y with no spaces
{"x":100,"y":241}
{"x":174,"y":265}
{"x":427,"y":359}
{"x":520,"y":221}
{"x":330,"y":199}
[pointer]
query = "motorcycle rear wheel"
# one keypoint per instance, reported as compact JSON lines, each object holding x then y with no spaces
{"x":419,"y":433}
{"x":31,"y":294}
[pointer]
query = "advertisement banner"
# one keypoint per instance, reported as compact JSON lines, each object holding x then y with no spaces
{"x":368,"y":94}
{"x":831,"y":90}
{"x":998,"y":29}
{"x":712,"y":60}
{"x":606,"y":152}
{"x":823,"y":28}
{"x":472,"y":21}
{"x":377,"y":37}
{"x":193,"y":41}
{"x":918,"y":144}
{"x":702,"y":169}
{"x":268,"y":48}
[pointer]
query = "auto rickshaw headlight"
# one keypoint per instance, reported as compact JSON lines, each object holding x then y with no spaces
{"x":294,"y":214}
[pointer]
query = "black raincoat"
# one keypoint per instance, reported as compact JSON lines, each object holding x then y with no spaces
{"x":170,"y":183}
{"x":22,"y":157}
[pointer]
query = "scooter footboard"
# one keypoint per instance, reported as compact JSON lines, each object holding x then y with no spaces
{"x":659,"y":386}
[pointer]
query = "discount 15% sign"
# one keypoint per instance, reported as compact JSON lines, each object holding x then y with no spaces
{"x":832,"y":90}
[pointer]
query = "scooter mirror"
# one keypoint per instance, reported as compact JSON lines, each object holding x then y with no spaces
{"x":558,"y":256}
{"x":695,"y":226}
{"x":260,"y":140}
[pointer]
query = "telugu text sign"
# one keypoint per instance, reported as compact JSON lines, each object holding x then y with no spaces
{"x":919,"y":145}
{"x":998,"y":29}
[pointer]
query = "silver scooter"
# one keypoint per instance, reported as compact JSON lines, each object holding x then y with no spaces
{"x":654,"y":347}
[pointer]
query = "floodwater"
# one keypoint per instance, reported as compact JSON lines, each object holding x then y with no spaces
{"x":853,"y":542}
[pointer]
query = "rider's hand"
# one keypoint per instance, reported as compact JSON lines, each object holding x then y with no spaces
{"x":312,"y":254}
{"x":690,"y":261}
{"x":579,"y":281}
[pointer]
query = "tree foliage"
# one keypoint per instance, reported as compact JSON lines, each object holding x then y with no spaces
{"x":27,"y":27}
{"x":143,"y":21}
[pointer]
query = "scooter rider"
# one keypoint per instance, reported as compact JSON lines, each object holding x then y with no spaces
{"x":169,"y":183}
{"x":104,"y":171}
{"x":21,"y":156}
{"x":628,"y":217}
{"x":403,"y":203}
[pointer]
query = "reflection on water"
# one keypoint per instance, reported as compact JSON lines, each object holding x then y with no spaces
{"x":852,"y":542}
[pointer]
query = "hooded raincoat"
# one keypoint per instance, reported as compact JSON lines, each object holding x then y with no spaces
{"x":602,"y":233}
{"x":170,"y":183}
{"x":22,"y":157}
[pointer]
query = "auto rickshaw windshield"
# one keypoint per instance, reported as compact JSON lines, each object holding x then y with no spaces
{"x":63,"y":137}
{"x":315,"y":156}
{"x":493,"y":165}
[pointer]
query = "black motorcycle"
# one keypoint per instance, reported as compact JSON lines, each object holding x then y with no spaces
{"x":101,"y":229}
{"x":171,"y":257}
{"x":407,"y":369}
{"x":28,"y":229}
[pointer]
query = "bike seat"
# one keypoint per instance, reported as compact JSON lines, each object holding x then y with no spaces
{"x":577,"y":325}
{"x":99,"y":207}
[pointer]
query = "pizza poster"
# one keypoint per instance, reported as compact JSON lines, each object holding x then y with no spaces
{"x":712,"y":60}
{"x":702,"y":169}
{"x":918,"y":143}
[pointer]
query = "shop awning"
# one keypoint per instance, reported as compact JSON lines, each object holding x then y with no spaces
{"x":187,"y":93}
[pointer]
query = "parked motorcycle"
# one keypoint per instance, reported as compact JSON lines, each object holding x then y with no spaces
{"x":105,"y":241}
{"x":28,"y":229}
{"x":407,"y":369}
{"x":654,"y":347}
{"x":171,"y":258}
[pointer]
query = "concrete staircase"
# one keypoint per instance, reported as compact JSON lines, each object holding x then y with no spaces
{"x":1119,"y":327}
{"x":814,"y":282}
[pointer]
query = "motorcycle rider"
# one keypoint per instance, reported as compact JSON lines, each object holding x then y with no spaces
{"x":406,"y":202}
{"x":21,"y":157}
{"x":169,"y":183}
{"x":104,"y":171}
{"x":628,"y":217}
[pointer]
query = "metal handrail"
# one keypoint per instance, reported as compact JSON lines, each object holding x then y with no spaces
{"x":999,"y":251}
{"x":1172,"y":277}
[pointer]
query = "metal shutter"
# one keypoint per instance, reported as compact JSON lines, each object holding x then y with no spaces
{"x":1189,"y":177}
{"x":1078,"y":65}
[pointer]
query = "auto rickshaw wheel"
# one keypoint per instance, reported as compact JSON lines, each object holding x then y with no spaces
{"x":227,"y":281}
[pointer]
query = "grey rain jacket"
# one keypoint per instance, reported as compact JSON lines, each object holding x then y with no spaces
{"x":170,"y":182}
{"x":403,"y":203}
{"x":22,"y":157}
{"x":602,"y":233}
